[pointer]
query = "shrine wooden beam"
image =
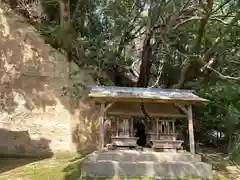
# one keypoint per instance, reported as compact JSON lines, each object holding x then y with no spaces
{"x":107,"y":106}
{"x":182,"y":107}
{"x":155,"y":115}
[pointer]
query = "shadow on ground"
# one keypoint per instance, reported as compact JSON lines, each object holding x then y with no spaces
{"x":19,"y":149}
{"x":7,"y":164}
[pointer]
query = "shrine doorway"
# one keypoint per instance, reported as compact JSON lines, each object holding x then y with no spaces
{"x":140,"y":130}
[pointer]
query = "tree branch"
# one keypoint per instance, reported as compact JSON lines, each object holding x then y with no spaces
{"x":196,"y":49}
{"x":76,"y":10}
{"x":221,"y":6}
{"x":186,"y":21}
{"x":160,"y":68}
{"x":220,"y":75}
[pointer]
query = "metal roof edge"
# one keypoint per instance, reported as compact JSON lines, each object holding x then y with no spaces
{"x":119,"y":87}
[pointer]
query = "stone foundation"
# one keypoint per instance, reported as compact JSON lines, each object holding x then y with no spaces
{"x":137,"y":164}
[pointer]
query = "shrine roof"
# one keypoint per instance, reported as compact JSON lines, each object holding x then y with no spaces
{"x":135,"y":94}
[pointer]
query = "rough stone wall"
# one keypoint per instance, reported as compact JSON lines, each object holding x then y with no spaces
{"x":85,"y":126}
{"x":35,"y":114}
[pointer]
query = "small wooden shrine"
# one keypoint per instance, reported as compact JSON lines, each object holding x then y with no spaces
{"x":121,"y":105}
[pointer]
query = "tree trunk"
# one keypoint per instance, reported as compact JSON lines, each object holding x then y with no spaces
{"x":230,"y":143}
{"x":65,"y":24}
{"x":64,"y":14}
{"x":146,"y":64}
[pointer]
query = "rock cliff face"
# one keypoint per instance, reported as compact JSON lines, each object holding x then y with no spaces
{"x":36,"y":115}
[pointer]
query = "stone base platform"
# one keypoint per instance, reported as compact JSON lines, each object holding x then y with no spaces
{"x":138,"y":156}
{"x":127,"y":163}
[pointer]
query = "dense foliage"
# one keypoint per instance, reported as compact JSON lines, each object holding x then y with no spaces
{"x":192,"y":44}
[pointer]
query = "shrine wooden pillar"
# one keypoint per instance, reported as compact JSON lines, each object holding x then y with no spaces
{"x":190,"y":129}
{"x":103,"y":109}
{"x":101,"y":126}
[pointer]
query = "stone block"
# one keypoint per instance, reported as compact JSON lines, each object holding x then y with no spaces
{"x":168,"y":169}
{"x":139,"y":156}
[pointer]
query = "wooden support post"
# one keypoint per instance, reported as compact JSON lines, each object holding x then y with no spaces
{"x":174,"y":130}
{"x":190,"y":129}
{"x":161,"y":127}
{"x":157,"y":129}
{"x":132,"y":131}
{"x":173,"y":125}
{"x":126,"y":127}
{"x":168,"y":127}
{"x":117,"y":127}
{"x":101,"y":124}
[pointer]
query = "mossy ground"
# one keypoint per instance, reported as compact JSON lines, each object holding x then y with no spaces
{"x":69,"y":168}
{"x":57,"y":168}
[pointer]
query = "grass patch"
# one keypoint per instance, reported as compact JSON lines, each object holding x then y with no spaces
{"x":67,"y":167}
{"x":73,"y":170}
{"x":57,"y":168}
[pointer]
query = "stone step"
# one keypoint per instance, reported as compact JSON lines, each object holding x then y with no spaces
{"x":136,"y":156}
{"x":109,"y":169}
